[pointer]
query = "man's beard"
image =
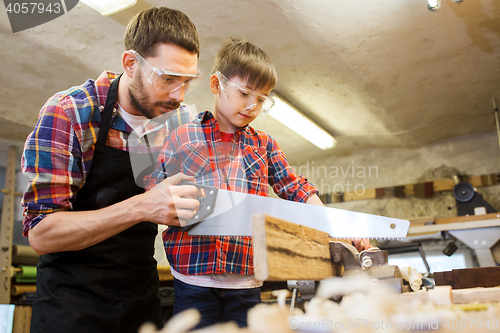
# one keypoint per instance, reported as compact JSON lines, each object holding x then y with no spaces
{"x":142,"y":103}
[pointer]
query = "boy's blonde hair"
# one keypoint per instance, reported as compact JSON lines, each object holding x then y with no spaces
{"x":240,"y":58}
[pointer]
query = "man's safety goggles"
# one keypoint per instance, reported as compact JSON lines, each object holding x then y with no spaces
{"x":244,"y":98}
{"x":165,"y":80}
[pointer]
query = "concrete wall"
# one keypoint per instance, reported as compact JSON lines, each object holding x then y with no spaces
{"x":469,"y":155}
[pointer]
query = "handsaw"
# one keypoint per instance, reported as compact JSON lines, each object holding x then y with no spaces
{"x":229,"y":213}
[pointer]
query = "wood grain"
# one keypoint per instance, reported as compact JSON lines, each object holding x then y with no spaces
{"x":22,"y":319}
{"x":288,"y":251}
{"x":469,"y":277}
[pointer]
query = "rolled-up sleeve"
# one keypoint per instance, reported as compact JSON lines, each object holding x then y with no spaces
{"x":284,"y":181}
{"x":51,"y":162}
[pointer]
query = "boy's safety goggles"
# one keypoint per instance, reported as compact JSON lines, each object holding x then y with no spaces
{"x":165,"y":80}
{"x":244,"y":98}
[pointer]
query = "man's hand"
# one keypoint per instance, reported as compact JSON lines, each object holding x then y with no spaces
{"x":167,"y":203}
{"x":361,"y":244}
{"x":170,"y":203}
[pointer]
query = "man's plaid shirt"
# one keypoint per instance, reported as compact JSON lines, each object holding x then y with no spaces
{"x":58,"y":153}
{"x":254,"y":161}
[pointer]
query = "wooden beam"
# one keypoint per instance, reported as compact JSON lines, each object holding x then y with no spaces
{"x":6,"y":228}
{"x":469,"y":218}
{"x":421,"y":220}
{"x":481,"y":295}
{"x":443,"y":185}
{"x":482,"y":223}
{"x":287,"y":251}
{"x":367,"y":194}
{"x":469,"y":277}
{"x":22,"y":319}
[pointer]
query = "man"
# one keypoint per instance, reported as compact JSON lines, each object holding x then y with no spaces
{"x":84,"y":211}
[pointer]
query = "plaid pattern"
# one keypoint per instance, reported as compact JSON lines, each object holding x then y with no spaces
{"x":256,"y":161}
{"x":58,"y":153}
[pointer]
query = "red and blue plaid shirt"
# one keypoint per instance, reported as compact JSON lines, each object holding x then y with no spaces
{"x":58,"y":153}
{"x":254,"y":162}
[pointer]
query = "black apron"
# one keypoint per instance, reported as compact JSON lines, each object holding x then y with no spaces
{"x":111,"y":286}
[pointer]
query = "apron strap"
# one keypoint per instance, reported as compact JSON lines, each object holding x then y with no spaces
{"x":107,"y":113}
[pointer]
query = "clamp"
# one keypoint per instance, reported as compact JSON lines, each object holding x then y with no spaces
{"x":372,"y":262}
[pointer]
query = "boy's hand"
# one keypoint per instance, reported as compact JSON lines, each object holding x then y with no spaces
{"x":361,"y":244}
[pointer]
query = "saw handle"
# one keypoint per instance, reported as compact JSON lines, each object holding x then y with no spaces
{"x":207,"y":205}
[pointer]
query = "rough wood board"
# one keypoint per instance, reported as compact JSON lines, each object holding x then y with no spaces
{"x":287,"y":251}
{"x":22,"y":319}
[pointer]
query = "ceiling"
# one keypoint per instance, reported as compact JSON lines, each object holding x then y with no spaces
{"x":377,"y":74}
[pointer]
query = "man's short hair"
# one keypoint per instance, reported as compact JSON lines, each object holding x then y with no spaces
{"x":240,"y":58}
{"x":153,"y":26}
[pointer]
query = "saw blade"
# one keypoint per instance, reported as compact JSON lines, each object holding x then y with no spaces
{"x":232,"y":214}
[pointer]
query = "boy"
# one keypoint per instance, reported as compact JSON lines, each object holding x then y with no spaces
{"x":215,"y":274}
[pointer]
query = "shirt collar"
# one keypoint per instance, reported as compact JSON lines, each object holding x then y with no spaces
{"x":208,"y":118}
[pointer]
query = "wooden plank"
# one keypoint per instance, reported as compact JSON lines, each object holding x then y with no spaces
{"x":439,"y":279}
{"x":456,"y":280}
{"x":287,"y":251}
{"x":443,"y":185}
{"x":484,"y":223}
{"x":481,"y":295}
{"x":469,"y":277}
{"x":421,"y":220}
{"x":475,"y":181}
{"x":448,"y":278}
{"x":470,"y":218}
{"x":22,"y":319}
{"x":460,"y":296}
{"x":366,"y":194}
{"x":478,"y":277}
{"x":409,"y":190}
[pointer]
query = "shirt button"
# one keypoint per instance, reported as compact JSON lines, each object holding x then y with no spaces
{"x":226,"y":180}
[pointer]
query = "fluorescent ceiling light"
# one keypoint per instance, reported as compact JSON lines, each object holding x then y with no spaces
{"x":109,"y":7}
{"x":289,"y":116}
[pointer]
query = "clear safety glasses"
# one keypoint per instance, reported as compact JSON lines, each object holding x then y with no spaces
{"x":244,"y":98}
{"x":165,"y":80}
